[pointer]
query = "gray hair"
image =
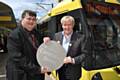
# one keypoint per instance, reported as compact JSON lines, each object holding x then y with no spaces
{"x":64,"y":18}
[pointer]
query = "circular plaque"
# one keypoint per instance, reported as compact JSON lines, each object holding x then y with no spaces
{"x":51,"y":55}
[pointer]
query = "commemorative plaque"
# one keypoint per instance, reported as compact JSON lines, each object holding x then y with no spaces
{"x":51,"y":55}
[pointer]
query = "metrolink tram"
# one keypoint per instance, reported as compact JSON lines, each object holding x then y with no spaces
{"x":99,"y":21}
{"x":7,"y":23}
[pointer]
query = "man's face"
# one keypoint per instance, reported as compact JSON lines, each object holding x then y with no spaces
{"x":29,"y":22}
{"x":67,"y":27}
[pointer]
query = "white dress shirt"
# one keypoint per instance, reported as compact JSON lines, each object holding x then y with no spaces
{"x":66,"y":41}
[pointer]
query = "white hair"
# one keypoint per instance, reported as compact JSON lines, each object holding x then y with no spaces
{"x":64,"y":18}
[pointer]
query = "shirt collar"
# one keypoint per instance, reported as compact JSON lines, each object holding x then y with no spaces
{"x":68,"y":36}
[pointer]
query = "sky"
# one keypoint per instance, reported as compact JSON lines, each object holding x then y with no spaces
{"x":19,"y":6}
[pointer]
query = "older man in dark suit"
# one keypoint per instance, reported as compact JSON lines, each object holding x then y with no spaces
{"x":71,"y":42}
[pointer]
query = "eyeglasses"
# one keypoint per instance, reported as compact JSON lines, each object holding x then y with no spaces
{"x":33,"y":19}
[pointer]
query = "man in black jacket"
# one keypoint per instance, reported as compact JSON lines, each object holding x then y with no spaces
{"x":22,"y":63}
{"x":71,"y":41}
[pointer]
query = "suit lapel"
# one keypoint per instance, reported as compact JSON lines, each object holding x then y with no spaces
{"x":59,"y":38}
{"x":26,"y":35}
{"x":71,"y":43}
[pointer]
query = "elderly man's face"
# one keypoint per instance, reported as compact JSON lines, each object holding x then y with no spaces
{"x":67,"y":27}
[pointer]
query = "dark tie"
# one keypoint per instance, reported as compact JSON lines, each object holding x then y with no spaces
{"x":33,"y":41}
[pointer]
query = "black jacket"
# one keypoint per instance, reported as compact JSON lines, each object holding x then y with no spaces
{"x":72,"y":71}
{"x":22,"y":63}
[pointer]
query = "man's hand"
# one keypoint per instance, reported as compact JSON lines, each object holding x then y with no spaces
{"x":44,"y":70}
{"x":46,"y":40}
{"x":69,"y":60}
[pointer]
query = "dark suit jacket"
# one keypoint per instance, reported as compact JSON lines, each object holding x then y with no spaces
{"x":71,"y":71}
{"x":22,"y":63}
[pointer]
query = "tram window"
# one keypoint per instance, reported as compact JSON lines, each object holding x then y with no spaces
{"x":105,"y":32}
{"x":104,"y":42}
